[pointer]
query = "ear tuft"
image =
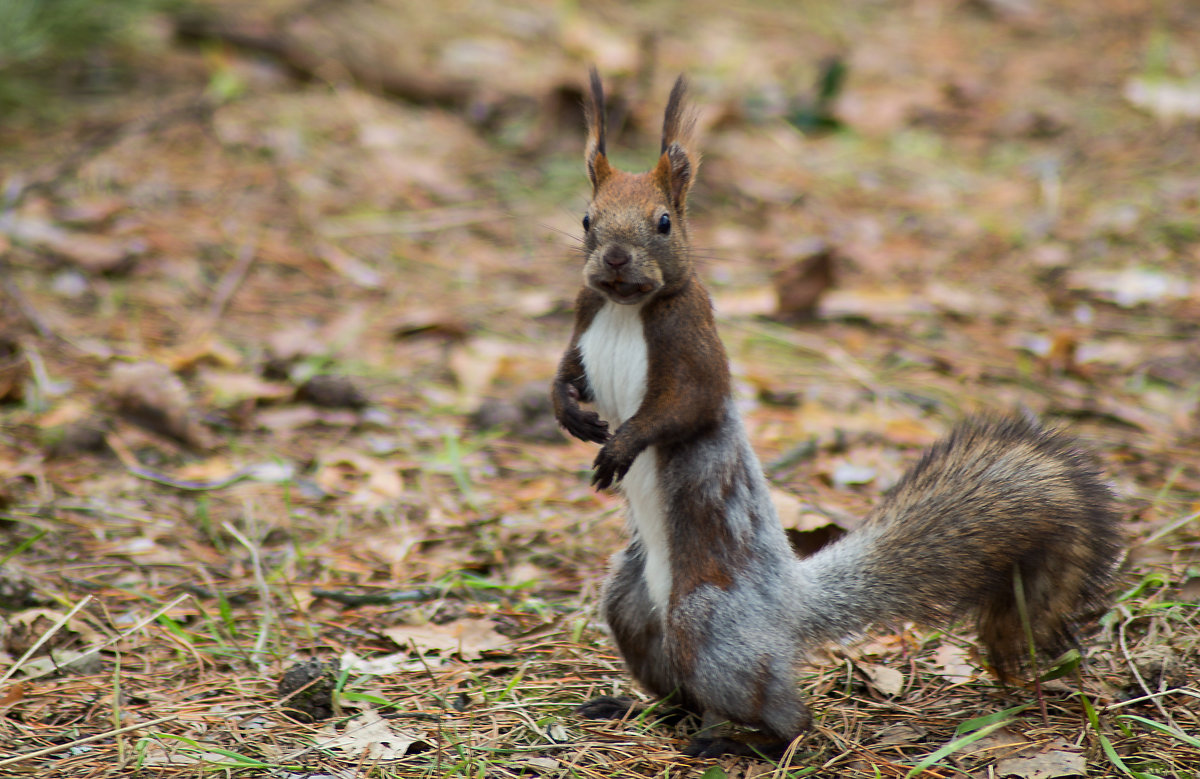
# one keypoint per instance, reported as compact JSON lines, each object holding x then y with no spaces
{"x":677,"y":165}
{"x":679,"y":120}
{"x":597,"y":126}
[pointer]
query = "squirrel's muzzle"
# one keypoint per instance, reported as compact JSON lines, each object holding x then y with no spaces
{"x":617,"y":257}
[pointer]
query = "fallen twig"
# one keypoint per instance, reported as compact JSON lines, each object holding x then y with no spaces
{"x":380,"y":598}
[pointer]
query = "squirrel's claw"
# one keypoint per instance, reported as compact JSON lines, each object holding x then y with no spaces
{"x":608,"y":468}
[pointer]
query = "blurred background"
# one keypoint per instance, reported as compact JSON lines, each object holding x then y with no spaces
{"x":283,"y":284}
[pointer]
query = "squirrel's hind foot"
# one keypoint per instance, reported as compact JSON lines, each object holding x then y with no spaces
{"x":762,"y":747}
{"x":619,"y":707}
{"x":607,"y":707}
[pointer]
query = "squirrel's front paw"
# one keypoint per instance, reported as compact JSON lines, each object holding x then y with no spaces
{"x":610,"y":466}
{"x":584,"y":425}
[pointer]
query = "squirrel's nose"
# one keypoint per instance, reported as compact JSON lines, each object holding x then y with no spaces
{"x":617,"y":257}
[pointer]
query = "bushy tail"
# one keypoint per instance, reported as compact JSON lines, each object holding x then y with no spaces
{"x":995,"y":497}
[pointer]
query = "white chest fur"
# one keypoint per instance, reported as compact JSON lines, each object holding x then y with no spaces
{"x":614,"y":357}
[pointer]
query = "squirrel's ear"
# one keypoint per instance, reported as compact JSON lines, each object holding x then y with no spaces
{"x":598,"y":168}
{"x":678,"y":163}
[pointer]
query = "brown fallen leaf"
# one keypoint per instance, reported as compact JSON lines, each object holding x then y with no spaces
{"x":91,"y":211}
{"x":475,"y":365}
{"x":25,"y":628}
{"x":332,"y":391}
{"x":754,"y":301}
{"x":294,"y":341}
{"x":901,"y":733}
{"x":227,"y":388}
{"x":800,"y":286}
{"x":909,"y":432}
{"x":369,"y":481}
{"x":366,"y":737}
{"x":149,"y":394}
{"x":882,"y":678}
{"x":1132,"y":286}
{"x":807,"y":531}
{"x":954,"y":664}
{"x":875,"y":305}
{"x":1189,"y":591}
{"x":96,"y":253}
{"x":1056,"y":759}
{"x":14,"y":371}
{"x":13,"y":695}
{"x":469,"y":638}
{"x":431,"y":323}
{"x":206,"y":351}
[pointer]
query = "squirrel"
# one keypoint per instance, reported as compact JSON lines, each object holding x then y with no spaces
{"x":708,"y":604}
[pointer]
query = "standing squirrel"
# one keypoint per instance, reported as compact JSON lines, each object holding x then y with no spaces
{"x":708,"y":603}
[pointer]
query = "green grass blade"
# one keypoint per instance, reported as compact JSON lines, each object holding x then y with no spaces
{"x":988,"y":719}
{"x":954,"y":746}
{"x":1161,"y":728}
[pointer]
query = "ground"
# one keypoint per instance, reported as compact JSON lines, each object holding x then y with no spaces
{"x":283,"y":290}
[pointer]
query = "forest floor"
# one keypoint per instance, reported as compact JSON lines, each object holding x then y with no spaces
{"x":283,"y":290}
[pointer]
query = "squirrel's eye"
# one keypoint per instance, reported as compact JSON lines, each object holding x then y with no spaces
{"x":587,"y":223}
{"x":664,"y":224}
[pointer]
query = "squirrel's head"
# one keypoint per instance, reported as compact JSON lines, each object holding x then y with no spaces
{"x":635,"y":229}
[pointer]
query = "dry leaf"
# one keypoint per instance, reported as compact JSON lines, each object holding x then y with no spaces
{"x":1057,"y":759}
{"x":800,"y":286}
{"x":90,"y":251}
{"x":386,"y":665}
{"x":229,"y":389}
{"x":756,"y":301}
{"x":807,"y":531}
{"x":12,"y":695}
{"x":874,"y":304}
{"x":883,"y":678}
{"x":846,"y":474}
{"x":151,"y":395}
{"x":469,"y":638}
{"x":909,"y":432}
{"x":547,"y":764}
{"x":1169,"y":101}
{"x":90,"y":210}
{"x":366,"y":736}
{"x":14,"y":371}
{"x":431,"y":323}
{"x":952,"y":660}
{"x":370,"y":481}
{"x":1132,"y":286}
{"x":475,"y":365}
{"x":284,"y":419}
{"x":902,"y":733}
{"x":295,"y":341}
{"x":1002,"y":741}
{"x":967,"y":301}
{"x":207,"y":351}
